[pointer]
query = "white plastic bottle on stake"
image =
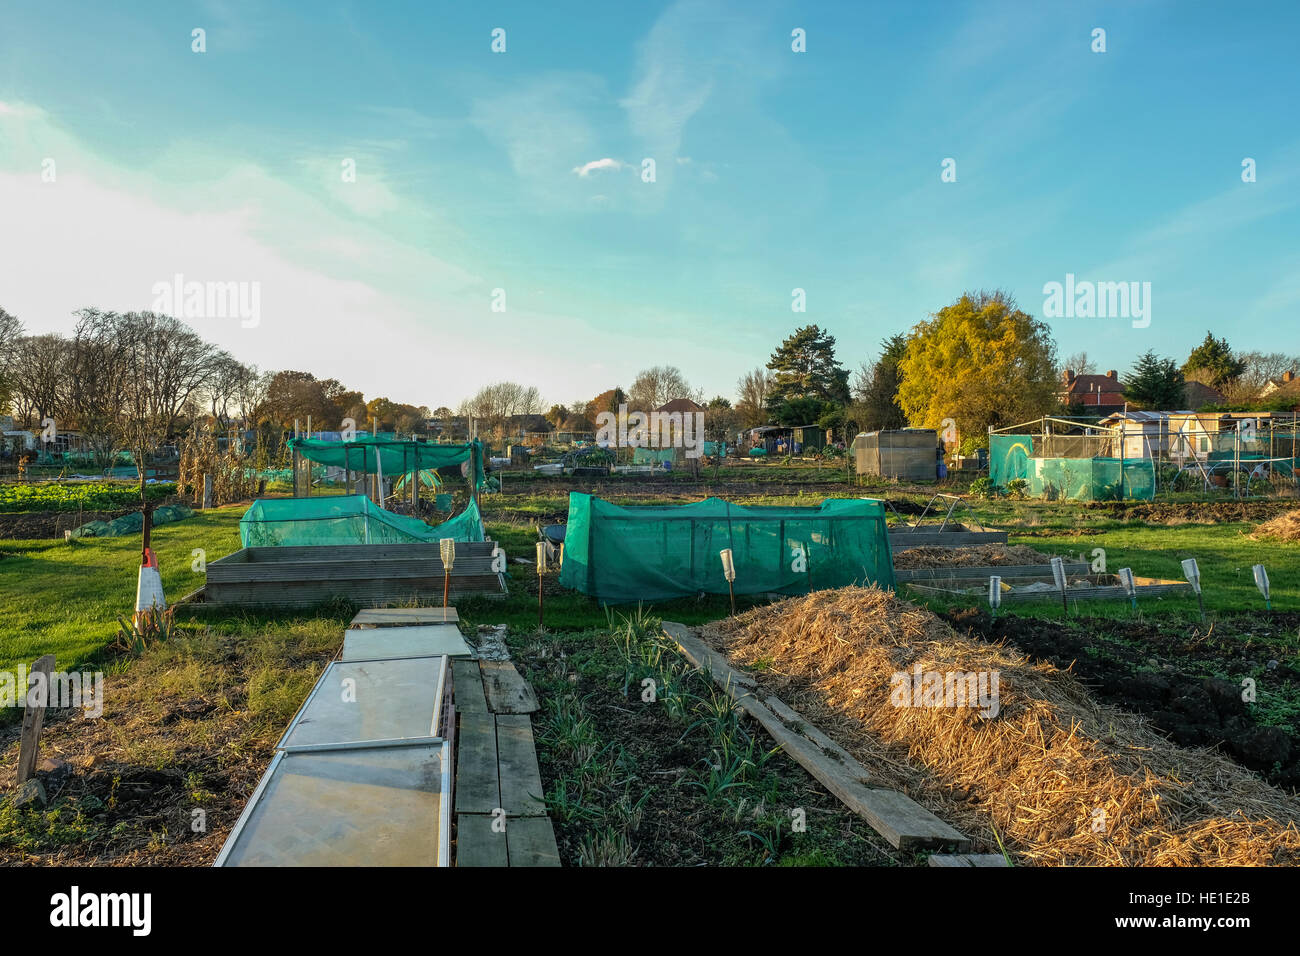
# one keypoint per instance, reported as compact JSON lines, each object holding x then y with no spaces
{"x":729,"y":572}
{"x":1261,"y":582}
{"x":1193,"y":575}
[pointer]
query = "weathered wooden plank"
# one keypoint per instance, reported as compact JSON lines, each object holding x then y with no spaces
{"x":377,"y":616}
{"x":29,"y":739}
{"x":468,"y":684}
{"x":895,"y":816}
{"x":477,"y":844}
{"x":902,"y":540}
{"x":531,"y":842}
{"x":374,"y":571}
{"x":1104,"y":593}
{"x":521,"y":780}
{"x":1006,"y":572}
{"x":342,"y":552}
{"x":478,"y":788}
{"x":507,"y":691}
{"x":968,"y":859}
{"x":372,"y":592}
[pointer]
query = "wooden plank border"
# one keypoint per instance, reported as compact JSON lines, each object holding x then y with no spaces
{"x":898,"y":818}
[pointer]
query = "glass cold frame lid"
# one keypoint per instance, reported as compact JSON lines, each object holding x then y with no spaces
{"x":369,"y":806}
{"x":372,"y":700}
{"x":421,"y":640}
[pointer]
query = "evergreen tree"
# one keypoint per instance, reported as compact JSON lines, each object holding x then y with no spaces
{"x":1155,"y":383}
{"x":880,"y":396}
{"x":805,"y":367}
{"x":1216,"y":357}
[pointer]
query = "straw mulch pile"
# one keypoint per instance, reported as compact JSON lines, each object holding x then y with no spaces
{"x":1061,"y":779}
{"x":980,"y":556}
{"x":1284,"y":527}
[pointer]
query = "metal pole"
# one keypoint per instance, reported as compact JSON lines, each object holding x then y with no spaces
{"x":1122,"y":451}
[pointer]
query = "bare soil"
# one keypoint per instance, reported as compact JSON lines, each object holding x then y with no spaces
{"x":1187,"y":680}
{"x":29,"y":525}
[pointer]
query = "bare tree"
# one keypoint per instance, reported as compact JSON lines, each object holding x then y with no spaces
{"x":754,"y":389}
{"x":493,"y":405}
{"x":1079,"y":364}
{"x":97,"y":387}
{"x":168,"y":365}
{"x":250,"y":393}
{"x":1261,"y":368}
{"x":40,"y":378}
{"x":222,"y":392}
{"x":658,"y":385}
{"x":11,"y":330}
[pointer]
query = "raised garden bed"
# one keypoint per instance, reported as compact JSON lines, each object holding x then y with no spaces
{"x":950,"y":535}
{"x":369,"y":575}
{"x":1035,"y":585}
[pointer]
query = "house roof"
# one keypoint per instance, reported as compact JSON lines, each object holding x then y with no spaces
{"x":1142,"y":416}
{"x":1092,"y":384}
{"x":1198,"y":394}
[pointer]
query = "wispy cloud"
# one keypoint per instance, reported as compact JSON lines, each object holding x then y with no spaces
{"x":597,"y":164}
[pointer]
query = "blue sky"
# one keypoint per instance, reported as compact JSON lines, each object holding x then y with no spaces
{"x":774,"y":170}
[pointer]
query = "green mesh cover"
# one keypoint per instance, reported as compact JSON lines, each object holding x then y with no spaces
{"x":345,"y":519}
{"x":624,"y":554}
{"x":1091,"y":479}
{"x":368,"y":453}
{"x":653,"y":456}
{"x":132,"y":523}
{"x":1009,"y":457}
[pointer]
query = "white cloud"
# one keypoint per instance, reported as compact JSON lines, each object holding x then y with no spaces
{"x":597,"y":164}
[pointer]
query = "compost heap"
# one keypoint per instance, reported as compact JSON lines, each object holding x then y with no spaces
{"x":979,"y":556}
{"x":1062,"y":779}
{"x":1285,"y":527}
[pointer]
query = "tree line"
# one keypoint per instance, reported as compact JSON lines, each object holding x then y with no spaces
{"x":130,"y":381}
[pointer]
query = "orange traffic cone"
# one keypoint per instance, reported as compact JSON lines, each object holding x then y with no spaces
{"x":149,"y":589}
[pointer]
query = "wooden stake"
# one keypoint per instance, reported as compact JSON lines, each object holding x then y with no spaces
{"x":33,"y":719}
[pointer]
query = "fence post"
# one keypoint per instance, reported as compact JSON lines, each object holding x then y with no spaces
{"x":1122,"y":450}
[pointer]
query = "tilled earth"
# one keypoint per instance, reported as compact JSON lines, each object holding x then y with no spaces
{"x":1188,"y":679}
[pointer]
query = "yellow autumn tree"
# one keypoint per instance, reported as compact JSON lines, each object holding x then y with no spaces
{"x":981,"y":362}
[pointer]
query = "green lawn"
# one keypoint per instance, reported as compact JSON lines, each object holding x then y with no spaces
{"x":1223,"y":553}
{"x":63,"y":599}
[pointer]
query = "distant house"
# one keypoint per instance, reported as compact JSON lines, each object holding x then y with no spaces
{"x":1102,"y":390}
{"x":681,"y":406}
{"x":455,"y":428}
{"x":1196,"y":395}
{"x":1277,"y":384}
{"x":575,"y":428}
{"x":1138,"y":434}
{"x":1186,"y":435}
{"x":521,"y":426}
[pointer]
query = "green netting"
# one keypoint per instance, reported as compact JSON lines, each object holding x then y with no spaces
{"x":1009,"y":457}
{"x":132,"y":523}
{"x":653,"y":456}
{"x":345,"y":519}
{"x":658,"y":552}
{"x":428,"y":479}
{"x":368,"y":454}
{"x":1079,"y":479}
{"x":1091,"y":479}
